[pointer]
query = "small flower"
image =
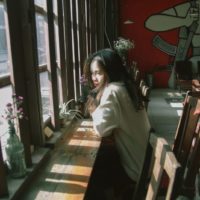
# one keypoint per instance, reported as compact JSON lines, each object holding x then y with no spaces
{"x":9,"y":105}
{"x":83,"y":80}
{"x":14,"y":110}
{"x":20,"y":98}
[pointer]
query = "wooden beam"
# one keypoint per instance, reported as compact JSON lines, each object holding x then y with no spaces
{"x":68,"y":47}
{"x":52,"y":68}
{"x":62,"y":63}
{"x":75,"y":50}
{"x":16,"y":50}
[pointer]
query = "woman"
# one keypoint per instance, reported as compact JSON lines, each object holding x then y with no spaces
{"x":117,"y":110}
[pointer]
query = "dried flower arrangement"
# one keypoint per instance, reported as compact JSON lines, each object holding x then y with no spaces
{"x":122,"y":45}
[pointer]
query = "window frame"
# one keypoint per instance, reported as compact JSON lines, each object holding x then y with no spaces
{"x":24,"y":71}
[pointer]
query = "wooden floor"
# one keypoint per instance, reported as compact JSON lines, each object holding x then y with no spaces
{"x":164,"y":110}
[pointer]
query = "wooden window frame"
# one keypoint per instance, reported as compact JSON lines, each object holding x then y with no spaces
{"x":24,"y":70}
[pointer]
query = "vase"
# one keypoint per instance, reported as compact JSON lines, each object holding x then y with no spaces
{"x":15,"y":154}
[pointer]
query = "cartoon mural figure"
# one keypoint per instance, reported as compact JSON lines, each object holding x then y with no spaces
{"x":186,"y":17}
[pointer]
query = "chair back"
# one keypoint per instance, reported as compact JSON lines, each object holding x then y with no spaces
{"x":184,"y":74}
{"x":190,"y":185}
{"x":144,"y":92}
{"x":187,"y":144}
{"x":159,"y":159}
{"x":141,"y":186}
{"x":187,"y":126}
{"x":183,"y":69}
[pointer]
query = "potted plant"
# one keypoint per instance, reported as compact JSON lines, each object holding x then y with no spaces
{"x":67,"y":113}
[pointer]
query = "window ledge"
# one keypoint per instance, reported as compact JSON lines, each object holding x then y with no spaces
{"x":16,"y":185}
{"x":57,"y":136}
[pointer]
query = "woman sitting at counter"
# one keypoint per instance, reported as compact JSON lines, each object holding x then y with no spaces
{"x":117,"y":110}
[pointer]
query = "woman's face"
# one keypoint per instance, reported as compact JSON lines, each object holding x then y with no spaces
{"x":97,"y":73}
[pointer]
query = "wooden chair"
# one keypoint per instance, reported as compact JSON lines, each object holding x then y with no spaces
{"x":159,"y":159}
{"x":135,"y":74}
{"x":190,"y":189}
{"x":145,"y":93}
{"x":186,"y":127}
{"x":184,"y":75}
{"x":142,"y":87}
{"x":186,"y":141}
{"x":132,"y":69}
{"x":197,"y":189}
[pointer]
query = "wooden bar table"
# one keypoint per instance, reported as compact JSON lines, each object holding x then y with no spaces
{"x":67,"y":174}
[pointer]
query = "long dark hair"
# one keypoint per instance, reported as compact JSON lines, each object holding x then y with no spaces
{"x":111,"y":63}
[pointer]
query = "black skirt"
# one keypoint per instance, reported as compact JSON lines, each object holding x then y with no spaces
{"x":109,"y":179}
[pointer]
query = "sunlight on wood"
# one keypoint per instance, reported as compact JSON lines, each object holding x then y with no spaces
{"x":151,"y":190}
{"x":70,"y":169}
{"x":60,"y":196}
{"x":86,"y":123}
{"x":88,"y":143}
{"x":83,"y":129}
{"x":43,"y":195}
{"x":80,"y":182}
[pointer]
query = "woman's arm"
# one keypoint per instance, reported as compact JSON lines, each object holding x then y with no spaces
{"x":106,"y":116}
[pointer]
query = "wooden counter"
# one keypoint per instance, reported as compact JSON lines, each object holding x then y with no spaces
{"x":68,"y":171}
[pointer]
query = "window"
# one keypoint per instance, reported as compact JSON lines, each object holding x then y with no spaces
{"x":59,"y":37}
{"x":41,"y":44}
{"x":5,"y":86}
{"x":5,"y":94}
{"x":49,"y":55}
{"x":3,"y":45}
{"x":41,"y":30}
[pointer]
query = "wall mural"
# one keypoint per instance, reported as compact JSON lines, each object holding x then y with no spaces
{"x":186,"y":17}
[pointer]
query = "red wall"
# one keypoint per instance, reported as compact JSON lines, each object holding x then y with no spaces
{"x":145,"y":54}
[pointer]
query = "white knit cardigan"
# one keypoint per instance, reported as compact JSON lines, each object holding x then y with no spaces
{"x":116,"y":112}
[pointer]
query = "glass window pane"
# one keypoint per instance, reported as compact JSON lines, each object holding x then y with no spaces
{"x":3,"y":46}
{"x":55,"y":7}
{"x":40,"y":26}
{"x":6,"y":97}
{"x":40,"y":3}
{"x":45,"y":94}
